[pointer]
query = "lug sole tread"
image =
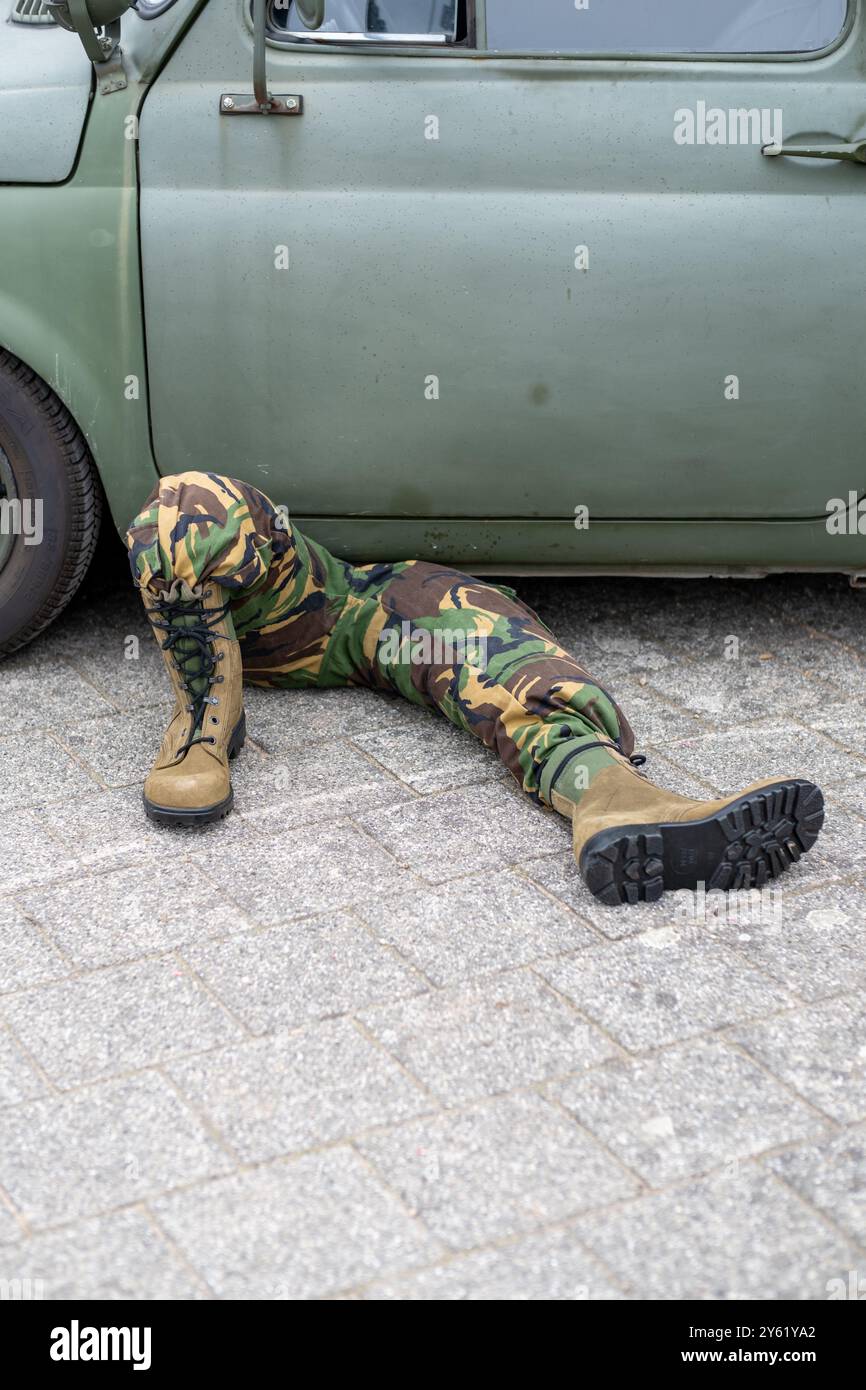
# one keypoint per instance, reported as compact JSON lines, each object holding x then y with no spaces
{"x":745,"y":845}
{"x":191,"y":816}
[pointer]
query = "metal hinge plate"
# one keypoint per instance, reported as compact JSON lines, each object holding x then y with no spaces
{"x":242,"y":104}
{"x":111,"y":75}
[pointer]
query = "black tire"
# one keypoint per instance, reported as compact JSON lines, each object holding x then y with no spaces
{"x":49,"y":460}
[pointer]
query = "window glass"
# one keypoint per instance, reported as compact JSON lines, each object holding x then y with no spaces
{"x":664,"y":26}
{"x":375,"y":17}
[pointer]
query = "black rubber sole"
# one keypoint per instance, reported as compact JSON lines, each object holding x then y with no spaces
{"x":199,"y":815}
{"x":755,"y":838}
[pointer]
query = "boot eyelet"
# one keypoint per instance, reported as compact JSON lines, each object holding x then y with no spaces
{"x":214,"y":719}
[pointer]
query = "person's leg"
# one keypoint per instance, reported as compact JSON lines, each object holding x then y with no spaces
{"x":432,"y":634}
{"x":479,"y":655}
{"x":473,"y":651}
{"x":284,"y":593}
{"x":232,"y":594}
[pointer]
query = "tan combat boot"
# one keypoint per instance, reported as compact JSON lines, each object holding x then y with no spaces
{"x":189,"y":784}
{"x":632,"y":840}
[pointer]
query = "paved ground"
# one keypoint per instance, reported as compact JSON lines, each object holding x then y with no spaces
{"x":372,"y":1038}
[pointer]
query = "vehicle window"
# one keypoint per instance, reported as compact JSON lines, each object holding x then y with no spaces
{"x":664,"y":26}
{"x":372,"y":17}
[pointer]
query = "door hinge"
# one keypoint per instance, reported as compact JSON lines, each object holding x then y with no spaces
{"x":110,"y":75}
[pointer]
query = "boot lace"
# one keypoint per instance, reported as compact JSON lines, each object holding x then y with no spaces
{"x":190,"y":640}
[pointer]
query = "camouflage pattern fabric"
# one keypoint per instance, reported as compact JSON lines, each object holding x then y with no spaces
{"x":440,"y":638}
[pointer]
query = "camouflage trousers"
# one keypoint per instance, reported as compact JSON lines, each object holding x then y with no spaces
{"x":442,"y":639}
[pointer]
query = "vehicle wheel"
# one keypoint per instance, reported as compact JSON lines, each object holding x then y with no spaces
{"x":43,"y":459}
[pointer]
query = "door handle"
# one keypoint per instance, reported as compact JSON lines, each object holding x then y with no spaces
{"x":855,"y":151}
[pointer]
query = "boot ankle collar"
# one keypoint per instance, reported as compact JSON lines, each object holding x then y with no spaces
{"x":180,"y":592}
{"x":556,"y":763}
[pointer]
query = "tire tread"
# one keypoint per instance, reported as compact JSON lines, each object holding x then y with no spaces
{"x":85,"y":497}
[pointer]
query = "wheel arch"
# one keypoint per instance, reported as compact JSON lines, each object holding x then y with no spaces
{"x":76,"y":379}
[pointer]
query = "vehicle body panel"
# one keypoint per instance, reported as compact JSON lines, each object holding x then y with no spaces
{"x":45,"y":84}
{"x":454,"y":259}
{"x":70,"y":282}
{"x":70,"y":306}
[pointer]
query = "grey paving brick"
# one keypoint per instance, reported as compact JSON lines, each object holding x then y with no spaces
{"x":824,"y":658}
{"x":433,"y":756}
{"x":295,"y":875}
{"x":810,"y":946}
{"x":831,"y":1174}
{"x":836,"y":894}
{"x":130,"y":682}
{"x":290,"y":975}
{"x":116,"y":1257}
{"x":294,"y":1091}
{"x":30,"y":852}
{"x":119,"y":748}
{"x":493,"y":1035}
{"x":37,"y":771}
{"x":733,"y":759}
{"x":26,"y":958}
{"x":614,"y":655}
{"x":695,"y":619}
{"x":729,"y":609}
{"x":685,"y":1111}
{"x":109,"y":828}
{"x":725,"y":1238}
{"x":38,"y":691}
{"x":445,"y":836}
{"x":280,"y":720}
{"x":495,"y":1170}
{"x":18,"y":1080}
{"x":845,"y":725}
{"x":106,"y":1146}
{"x":108,"y":918}
{"x":550,"y":1266}
{"x":827,"y":604}
{"x":820,"y":1051}
{"x":504,"y":893}
{"x":850,"y":795}
{"x":729,"y":693}
{"x":328,"y":781}
{"x":558,"y":874}
{"x":484,"y":922}
{"x":11,"y":1230}
{"x":663,"y":986}
{"x":651,"y":713}
{"x":99,"y":613}
{"x":841,"y":846}
{"x":115,"y":1020}
{"x":296,"y":1229}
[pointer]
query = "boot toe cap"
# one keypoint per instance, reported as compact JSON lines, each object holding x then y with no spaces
{"x":178,"y":790}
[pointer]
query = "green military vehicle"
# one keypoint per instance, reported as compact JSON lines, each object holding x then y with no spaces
{"x":522,"y":285}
